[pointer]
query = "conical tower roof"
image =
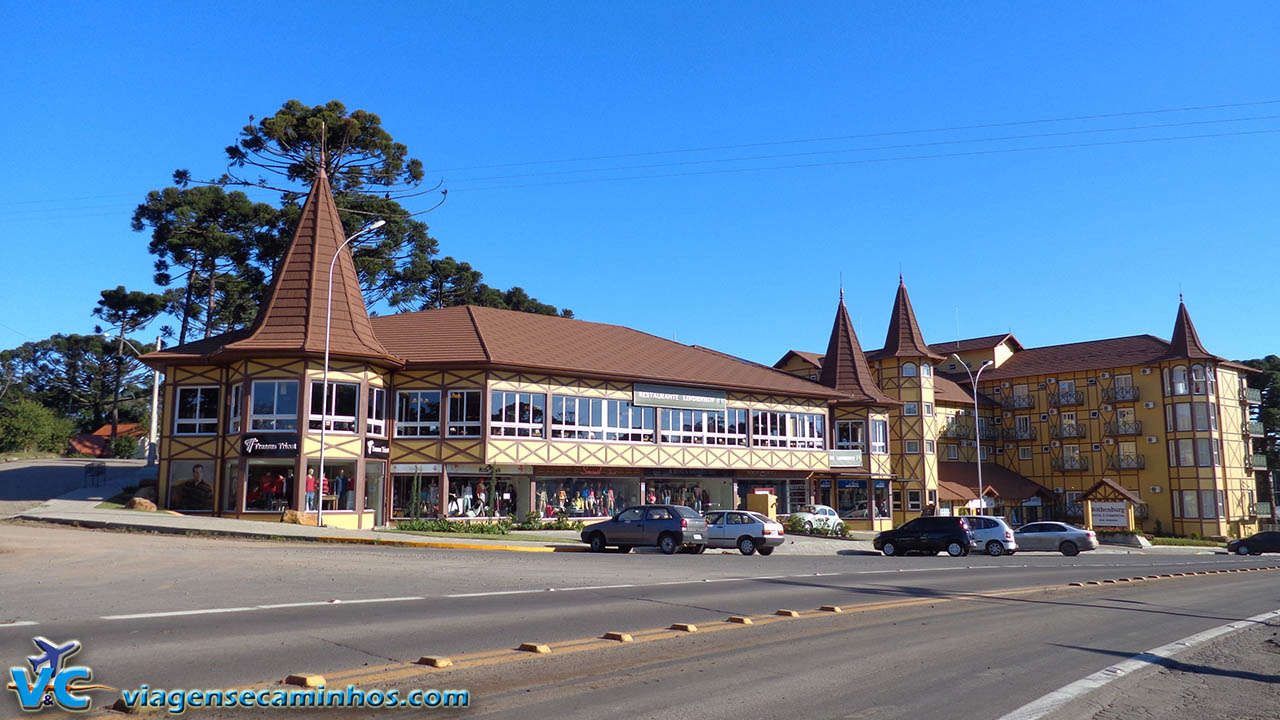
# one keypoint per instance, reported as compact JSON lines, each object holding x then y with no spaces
{"x":904,"y":338}
{"x":1186,"y":343}
{"x":845,"y":368}
{"x":292,"y":322}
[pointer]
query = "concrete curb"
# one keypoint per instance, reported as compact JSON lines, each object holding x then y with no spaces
{"x":337,"y":539}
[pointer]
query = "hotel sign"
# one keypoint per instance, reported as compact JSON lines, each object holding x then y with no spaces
{"x":273,"y":445}
{"x":844,"y":458}
{"x":1110,"y":514}
{"x":665,"y":396}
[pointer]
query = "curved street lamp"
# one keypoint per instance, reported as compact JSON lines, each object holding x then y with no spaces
{"x":977,"y":434}
{"x":324,"y":387}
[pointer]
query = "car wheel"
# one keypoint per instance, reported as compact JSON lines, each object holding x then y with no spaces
{"x":667,"y":544}
{"x":1069,"y":549}
{"x":1242,"y":550}
{"x":808,"y":527}
{"x":624,"y":549}
{"x":1256,"y":552}
{"x":765,"y":550}
{"x":746,"y":546}
{"x":1010,"y":552}
{"x":995,"y":548}
{"x":889,"y":549}
{"x":597,"y":542}
{"x":955,"y":549}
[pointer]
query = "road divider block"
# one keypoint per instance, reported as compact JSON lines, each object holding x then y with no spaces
{"x":739,"y":620}
{"x":831,"y":609}
{"x":308,"y":680}
{"x":536,"y":648}
{"x":786,"y":613}
{"x":684,"y":627}
{"x":618,"y":636}
{"x":435,"y":661}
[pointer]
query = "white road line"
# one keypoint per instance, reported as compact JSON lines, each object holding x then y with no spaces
{"x":19,"y":623}
{"x":278,"y":606}
{"x":1049,"y":703}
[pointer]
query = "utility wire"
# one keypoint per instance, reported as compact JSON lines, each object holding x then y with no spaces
{"x":835,"y":163}
{"x":954,"y":128}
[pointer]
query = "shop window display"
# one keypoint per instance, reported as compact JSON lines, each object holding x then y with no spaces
{"x":191,"y":486}
{"x":584,"y":497}
{"x":338,"y":488}
{"x":702,"y":495}
{"x":269,"y":486}
{"x":481,"y":497}
{"x":402,"y":496}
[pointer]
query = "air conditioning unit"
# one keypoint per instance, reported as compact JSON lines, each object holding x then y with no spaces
{"x":1052,"y":381}
{"x":1110,"y":442}
{"x":1156,"y":489}
{"x":1106,"y":408}
{"x":1151,"y":440}
{"x":1004,"y":384}
{"x":1104,"y":375}
{"x":1053,"y":411}
{"x":1145,"y":371}
{"x":1058,"y":490}
{"x":1055,"y":443}
{"x":1148,"y":405}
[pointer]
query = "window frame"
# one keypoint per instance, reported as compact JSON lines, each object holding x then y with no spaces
{"x":878,"y":440}
{"x":402,"y":424}
{"x":259,"y":422}
{"x":476,"y":426}
{"x":330,"y":421}
{"x":840,"y":444}
{"x":710,"y":428}
{"x":375,"y":426}
{"x":515,"y":427}
{"x":909,"y":369}
{"x":198,"y":421}
{"x":235,"y":408}
{"x":788,"y":429}
{"x":908,"y":444}
{"x":911,"y":409}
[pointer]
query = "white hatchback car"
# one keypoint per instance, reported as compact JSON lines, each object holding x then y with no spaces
{"x":992,"y":534}
{"x":813,"y":516}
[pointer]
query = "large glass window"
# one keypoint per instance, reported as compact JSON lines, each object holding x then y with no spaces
{"x":408,"y":490}
{"x":338,"y":410}
{"x":274,"y":405}
{"x":1186,"y":453}
{"x":908,"y":370}
{"x":464,"y":413}
{"x":705,"y":427}
{"x":269,"y":486}
{"x":197,"y":411}
{"x":1204,"y":458}
{"x":879,"y":437}
{"x":1201,"y":415}
{"x":516,"y":414}
{"x":851,"y":499}
{"x":911,"y":409}
{"x":787,"y":429}
{"x":374,"y":471}
{"x":579,"y":418}
{"x":191,"y":486}
{"x":584,"y":497}
{"x":338,"y":487}
{"x":1182,"y":416}
{"x":1179,"y":375}
{"x":1198,"y":384}
{"x":231,"y":484}
{"x":851,"y":435}
{"x":376,"y":413}
{"x":234,"y":409}
{"x":481,"y":497}
{"x":418,"y":413}
{"x":1208,"y":504}
{"x":703,"y":495}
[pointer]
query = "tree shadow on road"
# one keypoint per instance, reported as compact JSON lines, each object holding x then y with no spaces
{"x":1180,"y":666}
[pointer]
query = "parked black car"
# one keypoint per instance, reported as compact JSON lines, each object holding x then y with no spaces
{"x":670,"y":527}
{"x":929,"y":535}
{"x":1263,"y":542}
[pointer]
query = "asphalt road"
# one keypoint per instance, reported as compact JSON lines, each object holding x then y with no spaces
{"x":188,"y":613}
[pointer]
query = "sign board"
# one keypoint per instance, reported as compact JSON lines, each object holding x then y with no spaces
{"x":269,"y":445}
{"x":412,"y":468}
{"x":845,"y":484}
{"x":1110,"y":514}
{"x":974,"y":504}
{"x":377,"y":448}
{"x":1263,"y":509}
{"x":665,"y":396}
{"x":844,"y":458}
{"x":1032,"y":502}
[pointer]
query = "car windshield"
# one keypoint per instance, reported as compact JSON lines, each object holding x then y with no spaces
{"x":761,"y":518}
{"x":810,"y":509}
{"x":687,"y":512}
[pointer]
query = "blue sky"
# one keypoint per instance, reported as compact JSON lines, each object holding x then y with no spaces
{"x":725,"y":248}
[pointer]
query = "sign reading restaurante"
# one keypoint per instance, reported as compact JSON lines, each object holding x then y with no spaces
{"x":664,"y":396}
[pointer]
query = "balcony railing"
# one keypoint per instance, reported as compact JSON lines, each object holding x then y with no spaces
{"x":1077,"y":430}
{"x":1253,"y":396}
{"x":1121,"y":427}
{"x":1259,"y":461}
{"x":1120,"y":394}
{"x":1067,"y":397}
{"x":1018,"y":402}
{"x":1015,"y":433}
{"x":956,"y":430}
{"x":1255,"y":428}
{"x":989,"y":433}
{"x":1126,"y":462}
{"x":1071,"y":464}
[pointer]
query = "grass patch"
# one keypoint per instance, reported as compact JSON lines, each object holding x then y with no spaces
{"x":1186,"y":541}
{"x":527,"y":537}
{"x":117,"y":501}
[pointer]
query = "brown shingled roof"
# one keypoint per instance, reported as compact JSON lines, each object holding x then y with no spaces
{"x":980,"y":343}
{"x":1090,"y":355}
{"x":903,"y":338}
{"x":996,"y":480}
{"x":1186,"y":342}
{"x":488,"y":337}
{"x":814,"y":359}
{"x":953,"y":391}
{"x":845,"y":366}
{"x":293,"y":320}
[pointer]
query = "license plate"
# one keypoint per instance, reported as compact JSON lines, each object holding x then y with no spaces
{"x":697,"y":536}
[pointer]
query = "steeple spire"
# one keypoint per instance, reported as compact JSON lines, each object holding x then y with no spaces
{"x":1186,"y":342}
{"x":292,"y":321}
{"x":904,"y":338}
{"x":845,"y":367}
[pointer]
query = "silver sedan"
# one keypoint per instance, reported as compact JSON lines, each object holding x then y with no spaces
{"x":1055,"y":537}
{"x":750,"y":532}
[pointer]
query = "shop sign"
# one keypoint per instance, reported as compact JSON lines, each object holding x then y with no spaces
{"x":665,"y":396}
{"x":1110,"y":514}
{"x":844,"y":458}
{"x":269,"y":445}
{"x":882,"y":483}
{"x":412,"y":468}
{"x":377,"y":448}
{"x":477,"y":469}
{"x":826,"y":483}
{"x":845,"y":484}
{"x":686,"y":473}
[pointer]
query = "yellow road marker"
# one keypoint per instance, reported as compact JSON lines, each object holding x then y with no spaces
{"x":739,"y":620}
{"x":684,"y":627}
{"x":831,"y":609}
{"x":786,"y":613}
{"x":618,"y":636}
{"x":305,"y":680}
{"x":435,"y":661}
{"x":534,"y":648}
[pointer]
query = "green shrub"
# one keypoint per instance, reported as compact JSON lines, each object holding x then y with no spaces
{"x":441,"y":525}
{"x":124,"y":446}
{"x":28,"y":426}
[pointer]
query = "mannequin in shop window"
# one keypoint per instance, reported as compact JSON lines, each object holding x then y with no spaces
{"x":311,"y":489}
{"x":482,"y":501}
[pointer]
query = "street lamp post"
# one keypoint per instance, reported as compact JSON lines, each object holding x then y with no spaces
{"x":153,"y":434}
{"x":977,"y":434}
{"x":324,"y":386}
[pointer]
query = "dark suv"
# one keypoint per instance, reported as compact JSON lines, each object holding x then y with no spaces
{"x":670,"y":527}
{"x":928,"y":535}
